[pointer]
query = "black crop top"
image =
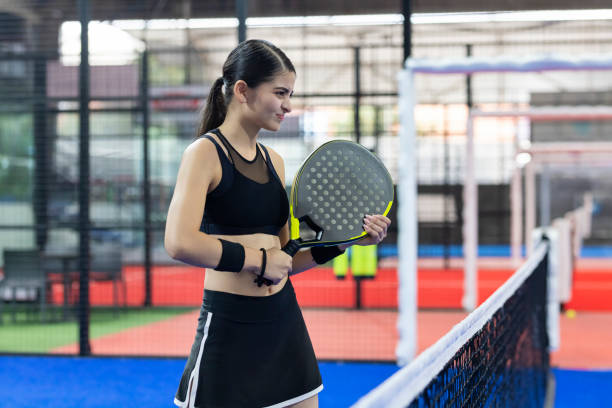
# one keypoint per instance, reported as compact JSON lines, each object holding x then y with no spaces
{"x":250,"y":197}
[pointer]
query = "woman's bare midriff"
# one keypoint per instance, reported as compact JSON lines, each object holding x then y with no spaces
{"x":242,"y":283}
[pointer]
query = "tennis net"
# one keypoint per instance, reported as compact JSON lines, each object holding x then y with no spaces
{"x":497,"y":356}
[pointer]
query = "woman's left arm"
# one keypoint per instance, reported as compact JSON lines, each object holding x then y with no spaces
{"x":375,"y":225}
{"x":302,"y":261}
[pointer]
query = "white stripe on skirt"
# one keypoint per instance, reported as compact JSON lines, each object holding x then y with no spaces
{"x":195,"y":374}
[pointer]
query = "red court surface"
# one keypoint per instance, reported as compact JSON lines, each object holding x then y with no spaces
{"x":437,"y":287}
{"x":339,"y":332}
{"x":586,"y":341}
{"x":335,"y":334}
{"x":363,"y":335}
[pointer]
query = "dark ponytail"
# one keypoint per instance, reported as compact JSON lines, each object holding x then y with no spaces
{"x":254,"y":62}
{"x":215,"y":109}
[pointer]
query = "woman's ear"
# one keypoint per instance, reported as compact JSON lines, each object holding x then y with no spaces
{"x":240,"y":91}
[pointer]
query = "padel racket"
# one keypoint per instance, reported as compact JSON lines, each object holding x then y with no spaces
{"x":336,"y":186}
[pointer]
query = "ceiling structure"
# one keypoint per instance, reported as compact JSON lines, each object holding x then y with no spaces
{"x":121,"y":9}
{"x":48,"y":15}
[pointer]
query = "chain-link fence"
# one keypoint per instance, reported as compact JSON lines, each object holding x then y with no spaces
{"x":90,"y":146}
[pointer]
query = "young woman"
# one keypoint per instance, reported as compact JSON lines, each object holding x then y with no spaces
{"x":229,"y":214}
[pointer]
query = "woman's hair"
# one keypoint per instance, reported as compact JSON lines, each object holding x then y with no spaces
{"x":254,"y":62}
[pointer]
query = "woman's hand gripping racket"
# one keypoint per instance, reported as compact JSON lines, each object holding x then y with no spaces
{"x":335,"y":188}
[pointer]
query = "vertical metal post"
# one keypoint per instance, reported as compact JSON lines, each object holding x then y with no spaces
{"x":468,"y":100}
{"x":378,"y":126}
{"x":241,"y":14}
{"x":357,"y":127}
{"x":446,"y":230}
{"x":530,"y":206}
{"x":407,"y":12}
{"x":357,"y":123}
{"x":468,"y":80}
{"x":188,"y":42}
{"x":146,"y":192}
{"x":470,"y":208}
{"x":516,"y":215}
{"x":470,"y":227}
{"x":407,"y":240}
{"x":408,"y":223}
{"x":516,"y":202}
{"x":545,"y":196}
{"x":41,"y":151}
{"x":84,"y":222}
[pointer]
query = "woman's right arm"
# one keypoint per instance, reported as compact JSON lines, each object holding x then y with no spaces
{"x":183,"y":239}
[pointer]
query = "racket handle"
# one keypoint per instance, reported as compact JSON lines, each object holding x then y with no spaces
{"x":292,"y":247}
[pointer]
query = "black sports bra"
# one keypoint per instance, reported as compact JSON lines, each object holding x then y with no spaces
{"x":250,"y":197}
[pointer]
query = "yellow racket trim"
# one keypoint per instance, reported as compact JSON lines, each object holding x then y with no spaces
{"x":295,"y":223}
{"x":388,"y":208}
{"x":365,"y":233}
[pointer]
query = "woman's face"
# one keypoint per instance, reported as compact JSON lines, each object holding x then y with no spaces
{"x":270,"y":101}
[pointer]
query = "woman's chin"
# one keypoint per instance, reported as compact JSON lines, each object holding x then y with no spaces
{"x":272,"y":126}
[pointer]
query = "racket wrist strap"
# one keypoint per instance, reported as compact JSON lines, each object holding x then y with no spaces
{"x":322,"y":255}
{"x":232,"y":256}
{"x":260,"y":278}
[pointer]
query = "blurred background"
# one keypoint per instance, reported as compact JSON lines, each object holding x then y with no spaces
{"x":90,"y":145}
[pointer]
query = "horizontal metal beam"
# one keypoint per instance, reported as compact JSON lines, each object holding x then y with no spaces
{"x":147,"y":9}
{"x":583,"y":112}
{"x":569,"y":148}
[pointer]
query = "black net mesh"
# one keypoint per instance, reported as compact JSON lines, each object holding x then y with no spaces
{"x":506,"y":363}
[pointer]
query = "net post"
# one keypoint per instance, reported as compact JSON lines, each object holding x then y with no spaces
{"x":551,"y":235}
{"x":588,"y":213}
{"x":544,"y":195}
{"x":516,"y":215}
{"x":564,"y":259}
{"x":553,"y":330}
{"x":577,"y":231}
{"x":470,"y":227}
{"x":530,"y":206}
{"x":407,"y":218}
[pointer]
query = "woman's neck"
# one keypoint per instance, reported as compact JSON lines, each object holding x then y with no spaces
{"x":239,"y":135}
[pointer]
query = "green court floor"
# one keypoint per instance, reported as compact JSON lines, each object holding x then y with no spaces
{"x":30,"y":335}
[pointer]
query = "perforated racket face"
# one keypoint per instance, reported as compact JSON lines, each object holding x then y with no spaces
{"x":338,"y":184}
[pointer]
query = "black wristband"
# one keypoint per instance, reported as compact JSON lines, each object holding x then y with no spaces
{"x":322,"y":254}
{"x":260,"y":280}
{"x":232,"y":257}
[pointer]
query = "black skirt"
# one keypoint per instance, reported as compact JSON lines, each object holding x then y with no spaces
{"x":249,"y":351}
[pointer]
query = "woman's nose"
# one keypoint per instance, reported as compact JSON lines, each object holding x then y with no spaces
{"x":286,"y":106}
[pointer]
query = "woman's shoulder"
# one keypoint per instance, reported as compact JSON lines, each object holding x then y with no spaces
{"x":206,"y":144}
{"x":201,"y":150}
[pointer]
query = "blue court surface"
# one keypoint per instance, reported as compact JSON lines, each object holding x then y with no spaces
{"x":67,"y":382}
{"x":428,"y":251}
